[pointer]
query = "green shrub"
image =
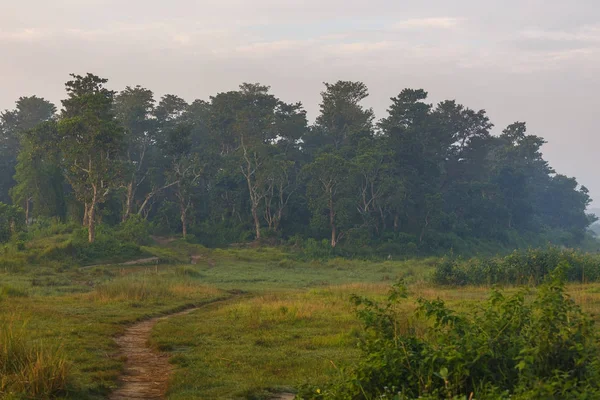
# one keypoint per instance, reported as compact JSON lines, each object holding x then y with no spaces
{"x":106,"y":248}
{"x":134,"y":230}
{"x":531,"y":266}
{"x":512,"y":348}
{"x":46,"y":227}
{"x":12,"y":219}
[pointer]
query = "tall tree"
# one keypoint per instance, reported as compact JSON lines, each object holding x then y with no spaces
{"x":29,"y":112}
{"x":420,"y":149}
{"x":39,"y":176}
{"x":328,"y":187}
{"x":342,"y":121}
{"x":133,"y":109}
{"x":91,"y":142}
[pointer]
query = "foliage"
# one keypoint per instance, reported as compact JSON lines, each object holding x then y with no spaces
{"x":521,"y":267}
{"x":511,"y":347}
{"x":106,"y":248}
{"x":11,"y":221}
{"x":135,"y":230}
{"x":423,"y":180}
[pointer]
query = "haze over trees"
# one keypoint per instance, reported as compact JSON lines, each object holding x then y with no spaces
{"x":246,"y":165}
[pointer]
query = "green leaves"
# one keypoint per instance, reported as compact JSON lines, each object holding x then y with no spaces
{"x":511,"y":346}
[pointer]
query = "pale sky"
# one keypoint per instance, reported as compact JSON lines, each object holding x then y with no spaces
{"x":529,"y":60}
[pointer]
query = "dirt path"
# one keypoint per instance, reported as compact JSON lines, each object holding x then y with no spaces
{"x":147,"y":371}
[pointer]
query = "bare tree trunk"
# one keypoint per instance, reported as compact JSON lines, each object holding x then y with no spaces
{"x":85,"y":214}
{"x":128,"y":201}
{"x":91,"y":214}
{"x":183,"y":209}
{"x":332,"y":222}
{"x":396,"y":222}
{"x":27,"y":204}
{"x":256,"y":221}
{"x":424,"y":227}
{"x":184,"y":222}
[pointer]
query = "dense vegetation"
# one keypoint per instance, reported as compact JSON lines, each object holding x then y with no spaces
{"x":512,"y":347}
{"x":246,"y":165}
{"x":529,"y":267}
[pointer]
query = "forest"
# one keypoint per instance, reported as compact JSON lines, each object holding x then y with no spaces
{"x":245,"y":165}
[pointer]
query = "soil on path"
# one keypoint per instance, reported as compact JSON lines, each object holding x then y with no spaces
{"x":147,"y":371}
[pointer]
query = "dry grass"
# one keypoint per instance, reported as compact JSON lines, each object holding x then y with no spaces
{"x":28,"y":367}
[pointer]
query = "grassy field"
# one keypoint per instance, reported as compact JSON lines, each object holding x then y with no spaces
{"x":281,"y":322}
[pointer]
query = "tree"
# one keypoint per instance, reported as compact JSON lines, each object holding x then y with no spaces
{"x":39,"y":177}
{"x":91,"y":142}
{"x":254,"y":128}
{"x":342,"y":121}
{"x":29,"y":112}
{"x":184,"y":171}
{"x":420,"y":148}
{"x":327,"y":186}
{"x":133,"y":109}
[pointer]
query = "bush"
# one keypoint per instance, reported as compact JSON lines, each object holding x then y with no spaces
{"x":521,"y":267}
{"x":514,"y":347}
{"x":11,"y":221}
{"x":106,"y":248}
{"x":134,"y":230}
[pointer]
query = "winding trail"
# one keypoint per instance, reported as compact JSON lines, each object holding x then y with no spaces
{"x":147,"y":371}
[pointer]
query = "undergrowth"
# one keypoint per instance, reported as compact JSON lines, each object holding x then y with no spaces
{"x":512,"y":347}
{"x":518,"y":268}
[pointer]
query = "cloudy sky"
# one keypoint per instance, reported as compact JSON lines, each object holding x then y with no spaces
{"x":528,"y":60}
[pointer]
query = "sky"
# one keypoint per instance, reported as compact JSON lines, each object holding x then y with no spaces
{"x":521,"y":60}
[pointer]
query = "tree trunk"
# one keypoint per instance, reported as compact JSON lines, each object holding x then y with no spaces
{"x":184,"y":222}
{"x":332,"y":222}
{"x":27,"y":203}
{"x":85,"y":214}
{"x":425,"y":225}
{"x":128,"y":201}
{"x":91,"y":214}
{"x":183,"y":209}
{"x":278,"y":219}
{"x":396,"y":222}
{"x":256,"y":222}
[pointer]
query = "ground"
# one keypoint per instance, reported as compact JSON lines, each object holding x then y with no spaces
{"x":257,"y":323}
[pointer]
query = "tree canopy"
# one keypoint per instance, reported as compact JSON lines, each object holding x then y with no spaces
{"x":246,"y":165}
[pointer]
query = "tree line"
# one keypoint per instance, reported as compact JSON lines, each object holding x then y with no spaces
{"x":246,"y":165}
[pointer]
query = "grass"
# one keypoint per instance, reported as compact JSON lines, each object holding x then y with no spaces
{"x":293,"y":325}
{"x":81,"y":311}
{"x":31,"y":368}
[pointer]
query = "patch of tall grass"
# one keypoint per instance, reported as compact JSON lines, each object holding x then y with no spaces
{"x":28,"y":368}
{"x":136,"y":288}
{"x":132,"y":289}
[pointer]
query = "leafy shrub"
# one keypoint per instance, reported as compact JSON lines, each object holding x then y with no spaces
{"x":11,"y":221}
{"x":511,"y":348}
{"x":134,"y":230}
{"x":521,"y":267}
{"x":46,"y":227}
{"x":314,"y":250}
{"x":106,"y":248}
